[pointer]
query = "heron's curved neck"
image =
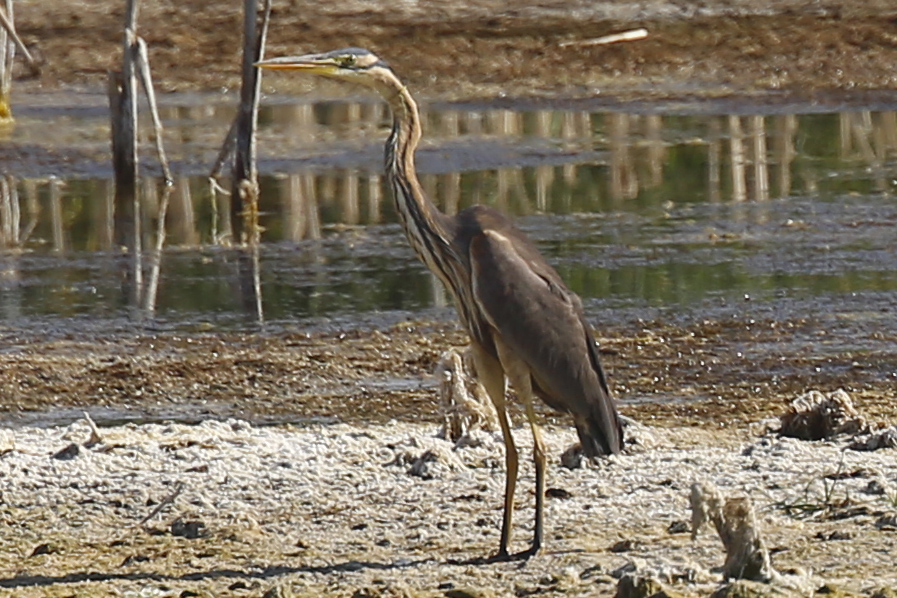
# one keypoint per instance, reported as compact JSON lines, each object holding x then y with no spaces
{"x":423,"y":222}
{"x":429,"y":231}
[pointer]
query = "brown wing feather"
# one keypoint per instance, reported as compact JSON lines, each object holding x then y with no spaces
{"x":524,"y":300}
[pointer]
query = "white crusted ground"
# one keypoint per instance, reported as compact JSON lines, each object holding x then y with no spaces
{"x":333,"y":509}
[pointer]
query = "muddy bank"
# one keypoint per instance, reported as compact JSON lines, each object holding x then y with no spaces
{"x":730,"y":369}
{"x":485,"y":48}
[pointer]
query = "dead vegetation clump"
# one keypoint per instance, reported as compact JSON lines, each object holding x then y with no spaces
{"x":734,"y":520}
{"x":816,"y":416}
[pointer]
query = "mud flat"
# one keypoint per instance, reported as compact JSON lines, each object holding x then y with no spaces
{"x":486,"y":48}
{"x":225,"y":508}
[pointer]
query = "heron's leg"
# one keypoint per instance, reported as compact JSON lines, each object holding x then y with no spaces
{"x":519,"y":375}
{"x":492,"y":377}
{"x":540,"y":460}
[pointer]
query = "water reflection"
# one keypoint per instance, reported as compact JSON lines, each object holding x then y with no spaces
{"x":632,"y":207}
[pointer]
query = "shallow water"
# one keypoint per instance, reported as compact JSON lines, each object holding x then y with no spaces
{"x":671,"y":206}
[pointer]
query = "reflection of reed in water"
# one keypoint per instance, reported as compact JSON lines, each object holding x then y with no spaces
{"x":10,"y":212}
{"x":761,"y":163}
{"x":350,"y":195}
{"x":656,"y":149}
{"x":300,"y":214}
{"x":737,"y":158}
{"x":868,"y":137}
{"x":724,"y":158}
{"x":714,"y":159}
{"x":623,"y":179}
{"x":785,"y":127}
{"x":56,"y":216}
{"x":185,"y":229}
{"x":747,"y":148}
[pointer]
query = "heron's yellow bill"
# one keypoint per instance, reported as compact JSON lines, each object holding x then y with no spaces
{"x":309,"y":63}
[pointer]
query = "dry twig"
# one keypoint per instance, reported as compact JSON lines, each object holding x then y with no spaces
{"x":625,"y":36}
{"x":165,"y":502}
{"x":95,"y":437}
{"x":7,"y":24}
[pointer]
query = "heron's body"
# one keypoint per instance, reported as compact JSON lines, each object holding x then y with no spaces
{"x":525,"y":326}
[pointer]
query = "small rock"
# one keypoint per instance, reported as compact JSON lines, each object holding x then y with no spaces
{"x":134,"y":558}
{"x":879,"y":439}
{"x":279,"y":591}
{"x":623,"y":546}
{"x":469,"y":593}
{"x":875,"y":488}
{"x":190,"y":529}
{"x":834,"y":535}
{"x":558,"y":493}
{"x":630,"y":567}
{"x":887,"y":522}
{"x":678,"y":527}
{"x":636,"y":586}
{"x":434,"y":463}
{"x":239,"y":425}
{"x":42,"y":549}
{"x":421,"y":467}
{"x":572,"y":457}
{"x":68,"y":453}
{"x":744,"y":588}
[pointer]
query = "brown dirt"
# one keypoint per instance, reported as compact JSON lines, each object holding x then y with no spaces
{"x":711,"y":373}
{"x":483,"y":47}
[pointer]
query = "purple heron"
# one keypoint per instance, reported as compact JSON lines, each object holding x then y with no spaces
{"x":525,"y":326}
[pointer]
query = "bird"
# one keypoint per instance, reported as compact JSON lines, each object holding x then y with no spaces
{"x":525,"y":326}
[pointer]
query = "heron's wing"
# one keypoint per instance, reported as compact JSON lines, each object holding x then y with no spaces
{"x":525,"y":302}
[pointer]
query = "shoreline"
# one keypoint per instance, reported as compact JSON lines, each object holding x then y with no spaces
{"x":482,"y":48}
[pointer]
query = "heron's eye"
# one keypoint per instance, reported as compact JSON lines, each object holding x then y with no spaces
{"x":349,"y":60}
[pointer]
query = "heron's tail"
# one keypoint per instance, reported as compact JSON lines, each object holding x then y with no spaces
{"x":601,"y":432}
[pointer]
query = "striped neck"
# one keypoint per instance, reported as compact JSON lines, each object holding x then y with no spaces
{"x":424,"y":224}
{"x":429,"y":231}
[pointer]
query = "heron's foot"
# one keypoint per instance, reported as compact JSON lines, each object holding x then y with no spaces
{"x":529,"y":552}
{"x":504,"y":556}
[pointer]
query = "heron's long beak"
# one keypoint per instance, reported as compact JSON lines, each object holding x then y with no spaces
{"x":309,"y":63}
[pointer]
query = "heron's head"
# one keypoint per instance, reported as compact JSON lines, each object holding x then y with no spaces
{"x":355,"y":65}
